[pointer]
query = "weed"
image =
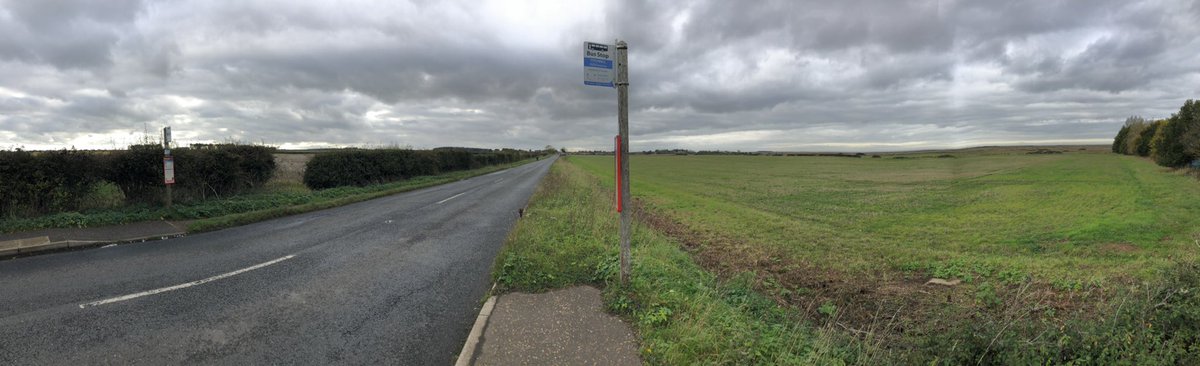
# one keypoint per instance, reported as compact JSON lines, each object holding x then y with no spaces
{"x":985,"y":294}
{"x":827,"y":309}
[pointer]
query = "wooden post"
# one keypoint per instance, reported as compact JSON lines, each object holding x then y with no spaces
{"x":623,"y":127}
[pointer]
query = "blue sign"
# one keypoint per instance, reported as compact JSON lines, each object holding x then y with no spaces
{"x":598,"y":64}
{"x":595,"y":62}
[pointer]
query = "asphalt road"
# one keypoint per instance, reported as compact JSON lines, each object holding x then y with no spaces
{"x":396,"y":280}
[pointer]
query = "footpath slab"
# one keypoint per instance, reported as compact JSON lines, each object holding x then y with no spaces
{"x":49,"y":239}
{"x":561,"y":327}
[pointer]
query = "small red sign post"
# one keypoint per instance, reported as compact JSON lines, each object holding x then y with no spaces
{"x":168,"y":170}
{"x":168,"y":165}
{"x":617,"y":159}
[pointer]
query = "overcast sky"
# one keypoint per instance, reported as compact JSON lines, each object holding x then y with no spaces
{"x":771,"y":75}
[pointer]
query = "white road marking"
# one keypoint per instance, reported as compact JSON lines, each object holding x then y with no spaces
{"x":451,"y":197}
{"x":501,"y":180}
{"x":185,"y":285}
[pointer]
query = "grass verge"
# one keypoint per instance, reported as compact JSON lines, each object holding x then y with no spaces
{"x":220,"y":213}
{"x":684,"y":314}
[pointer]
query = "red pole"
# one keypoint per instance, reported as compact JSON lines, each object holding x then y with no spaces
{"x":617,"y":155}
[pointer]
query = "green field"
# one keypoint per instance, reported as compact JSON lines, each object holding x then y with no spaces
{"x":1074,"y":217}
{"x":1082,"y":257}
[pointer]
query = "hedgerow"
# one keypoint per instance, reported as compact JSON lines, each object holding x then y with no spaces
{"x":65,"y":180}
{"x":359,"y":167}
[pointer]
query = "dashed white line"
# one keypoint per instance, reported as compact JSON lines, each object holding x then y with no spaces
{"x":498,"y":181}
{"x":185,"y":285}
{"x":451,"y":197}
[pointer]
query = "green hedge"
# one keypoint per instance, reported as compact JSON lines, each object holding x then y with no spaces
{"x":57,"y":181}
{"x":201,"y":171}
{"x":356,"y":167}
{"x":204,"y":171}
{"x":45,"y":181}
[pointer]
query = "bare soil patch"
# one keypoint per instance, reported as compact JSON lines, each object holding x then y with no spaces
{"x":289,"y":168}
{"x":882,"y":306}
{"x":1118,"y":248}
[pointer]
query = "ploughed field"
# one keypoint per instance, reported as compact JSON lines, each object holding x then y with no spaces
{"x":1072,"y":219}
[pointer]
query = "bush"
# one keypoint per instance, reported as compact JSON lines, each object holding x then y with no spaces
{"x":45,"y":181}
{"x":200,"y":171}
{"x":340,"y":168}
{"x":137,"y":171}
{"x":221,"y":170}
{"x":364,"y":167}
{"x":1157,"y":325}
{"x":104,"y":194}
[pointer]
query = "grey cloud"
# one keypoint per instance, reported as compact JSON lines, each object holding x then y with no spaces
{"x":984,"y":20}
{"x":66,"y":34}
{"x":1113,"y":64}
{"x":399,"y":71}
{"x":49,"y":15}
{"x":435,"y":73}
{"x":891,"y":73}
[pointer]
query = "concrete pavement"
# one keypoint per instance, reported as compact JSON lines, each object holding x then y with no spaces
{"x":50,"y":239}
{"x":560,"y":327}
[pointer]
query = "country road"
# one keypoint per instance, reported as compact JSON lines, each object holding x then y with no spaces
{"x":395,"y":280}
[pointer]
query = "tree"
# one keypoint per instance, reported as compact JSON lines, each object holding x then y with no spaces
{"x":1159,"y":149}
{"x":1167,"y":148}
{"x":1146,"y":135}
{"x":1134,"y":137}
{"x":1191,"y":135}
{"x":1121,"y":143}
{"x":1191,"y":143}
{"x":1118,"y":145}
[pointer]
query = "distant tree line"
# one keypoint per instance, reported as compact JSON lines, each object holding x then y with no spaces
{"x":1172,"y":142}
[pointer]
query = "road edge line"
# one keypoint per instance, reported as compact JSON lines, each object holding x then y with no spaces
{"x":467,"y":355}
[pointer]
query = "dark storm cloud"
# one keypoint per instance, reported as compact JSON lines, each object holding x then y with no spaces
{"x":858,"y":74}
